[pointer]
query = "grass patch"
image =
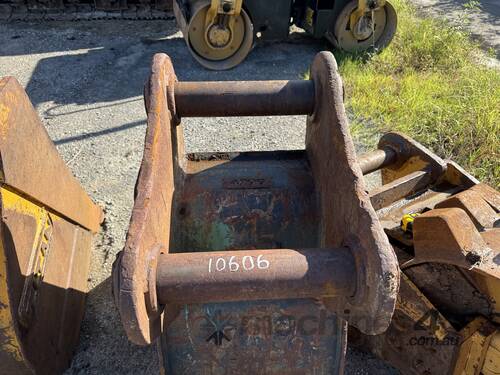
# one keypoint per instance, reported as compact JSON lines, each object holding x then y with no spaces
{"x":428,"y":84}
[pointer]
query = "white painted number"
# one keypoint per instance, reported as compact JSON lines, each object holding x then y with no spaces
{"x":233,"y":266}
{"x":247,"y":264}
{"x":262,"y":263}
{"x":220,"y":264}
{"x":248,"y":259}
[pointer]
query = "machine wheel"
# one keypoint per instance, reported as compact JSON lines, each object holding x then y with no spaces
{"x":373,"y":30}
{"x":217,"y":48}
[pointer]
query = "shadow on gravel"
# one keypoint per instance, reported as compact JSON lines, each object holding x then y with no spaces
{"x":86,"y":67}
{"x":99,"y":133}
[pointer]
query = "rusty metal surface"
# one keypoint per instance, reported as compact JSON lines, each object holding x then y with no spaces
{"x":346,"y":215}
{"x":275,"y":203}
{"x":46,"y":228}
{"x":415,"y":346}
{"x":374,"y":160}
{"x":458,"y":176}
{"x":244,"y":98}
{"x":265,"y":337}
{"x":451,"y":278}
{"x":401,"y":187}
{"x":284,"y":201}
{"x":391,"y":216}
{"x":477,"y":208}
{"x":446,"y":286}
{"x":204,"y":277}
{"x":48,"y":341}
{"x":191,"y":212}
{"x":25,"y":142}
{"x":247,"y":201}
{"x":419,"y":340}
{"x":477,"y":337}
{"x":448,"y":235}
{"x":412,"y":157}
{"x":150,"y":223}
{"x":489,"y":194}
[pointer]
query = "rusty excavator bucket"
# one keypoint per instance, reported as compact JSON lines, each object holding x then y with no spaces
{"x":256,"y":262}
{"x":46,"y":227}
{"x":252,"y":262}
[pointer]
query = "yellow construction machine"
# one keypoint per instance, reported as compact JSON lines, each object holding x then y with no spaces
{"x":221,"y":33}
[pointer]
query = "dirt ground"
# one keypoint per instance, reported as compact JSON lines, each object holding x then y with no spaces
{"x":85,"y":79}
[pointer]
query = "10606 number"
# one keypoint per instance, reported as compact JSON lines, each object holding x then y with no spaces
{"x":246,"y":263}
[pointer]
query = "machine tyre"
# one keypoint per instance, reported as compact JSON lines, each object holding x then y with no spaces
{"x":218,"y":62}
{"x":385,"y":27}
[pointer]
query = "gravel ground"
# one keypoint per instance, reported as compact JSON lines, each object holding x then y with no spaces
{"x":86,"y":80}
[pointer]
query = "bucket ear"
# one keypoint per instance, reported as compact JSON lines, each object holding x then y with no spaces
{"x":347,"y":215}
{"x":149,"y":227}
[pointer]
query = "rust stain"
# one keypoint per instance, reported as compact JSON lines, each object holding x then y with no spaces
{"x":4,"y":116}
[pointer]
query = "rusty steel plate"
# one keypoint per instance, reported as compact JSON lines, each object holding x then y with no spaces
{"x":46,"y":226}
{"x":250,"y":201}
{"x":265,"y":337}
